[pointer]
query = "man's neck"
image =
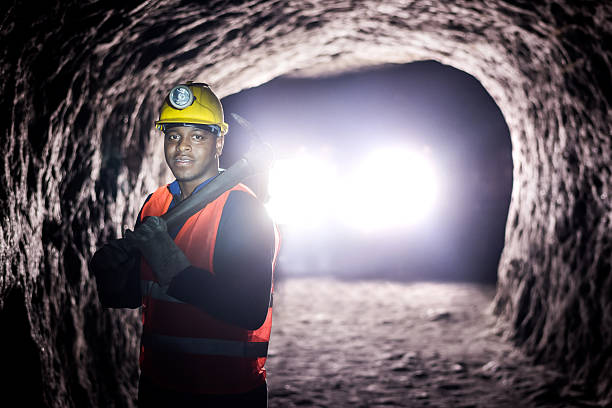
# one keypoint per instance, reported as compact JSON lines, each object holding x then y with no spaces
{"x":188,"y":188}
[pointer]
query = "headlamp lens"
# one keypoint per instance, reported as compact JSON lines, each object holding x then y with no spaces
{"x":180,"y":97}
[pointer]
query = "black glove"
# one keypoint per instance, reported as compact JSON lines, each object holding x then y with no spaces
{"x":152,"y":240}
{"x":111,"y":265}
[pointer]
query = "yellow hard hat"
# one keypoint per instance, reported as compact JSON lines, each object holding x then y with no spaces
{"x":192,"y":104}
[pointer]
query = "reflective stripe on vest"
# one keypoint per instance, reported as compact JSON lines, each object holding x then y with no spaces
{"x":211,"y":347}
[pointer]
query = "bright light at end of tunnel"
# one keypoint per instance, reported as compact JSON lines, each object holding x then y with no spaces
{"x":393,"y":188}
{"x":298,"y":187}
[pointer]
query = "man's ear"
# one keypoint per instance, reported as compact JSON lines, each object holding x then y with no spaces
{"x":219,"y":145}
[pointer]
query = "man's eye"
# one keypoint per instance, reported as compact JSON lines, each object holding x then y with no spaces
{"x":173,"y":137}
{"x":199,"y":137}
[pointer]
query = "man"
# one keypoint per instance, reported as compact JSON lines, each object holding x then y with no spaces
{"x":205,"y":288}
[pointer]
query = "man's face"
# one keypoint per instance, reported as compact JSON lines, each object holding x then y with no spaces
{"x":192,"y":153}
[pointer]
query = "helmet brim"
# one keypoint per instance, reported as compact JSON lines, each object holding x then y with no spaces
{"x":187,"y":121}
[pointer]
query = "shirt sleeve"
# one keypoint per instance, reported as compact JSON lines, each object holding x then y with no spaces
{"x":239,"y":291}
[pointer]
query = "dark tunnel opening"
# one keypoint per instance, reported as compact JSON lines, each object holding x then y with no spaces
{"x":427,"y":105}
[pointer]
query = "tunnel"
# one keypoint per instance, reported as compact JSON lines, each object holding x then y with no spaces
{"x":80,"y":86}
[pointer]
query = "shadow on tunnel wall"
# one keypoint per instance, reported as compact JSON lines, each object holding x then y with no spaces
{"x":79,"y":86}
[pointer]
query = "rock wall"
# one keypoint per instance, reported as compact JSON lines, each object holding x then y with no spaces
{"x":80,"y":84}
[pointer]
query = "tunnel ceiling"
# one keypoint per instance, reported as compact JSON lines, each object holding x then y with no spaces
{"x":80,"y":86}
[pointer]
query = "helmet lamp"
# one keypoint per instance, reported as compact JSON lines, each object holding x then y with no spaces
{"x":180,"y":97}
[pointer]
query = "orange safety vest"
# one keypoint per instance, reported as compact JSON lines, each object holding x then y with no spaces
{"x":184,"y":348}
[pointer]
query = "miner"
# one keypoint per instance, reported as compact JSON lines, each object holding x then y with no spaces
{"x":204,"y":288}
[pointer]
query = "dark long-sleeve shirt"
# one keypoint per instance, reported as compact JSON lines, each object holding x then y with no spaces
{"x":239,"y":291}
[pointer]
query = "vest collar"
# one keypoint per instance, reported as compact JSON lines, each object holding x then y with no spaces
{"x":175,"y":188}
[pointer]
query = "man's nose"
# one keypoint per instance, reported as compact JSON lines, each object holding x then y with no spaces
{"x":184,"y":144}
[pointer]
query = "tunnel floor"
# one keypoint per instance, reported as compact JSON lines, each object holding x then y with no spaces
{"x":371,"y":343}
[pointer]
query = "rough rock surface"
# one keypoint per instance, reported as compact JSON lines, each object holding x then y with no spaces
{"x":79,"y":87}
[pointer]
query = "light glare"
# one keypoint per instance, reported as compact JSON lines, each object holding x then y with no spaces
{"x":299,"y":190}
{"x":393,"y":188}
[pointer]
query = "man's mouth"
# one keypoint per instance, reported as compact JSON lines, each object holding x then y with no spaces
{"x":183,"y":160}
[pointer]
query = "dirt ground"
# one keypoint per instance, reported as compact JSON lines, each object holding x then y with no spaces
{"x":371,"y":343}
